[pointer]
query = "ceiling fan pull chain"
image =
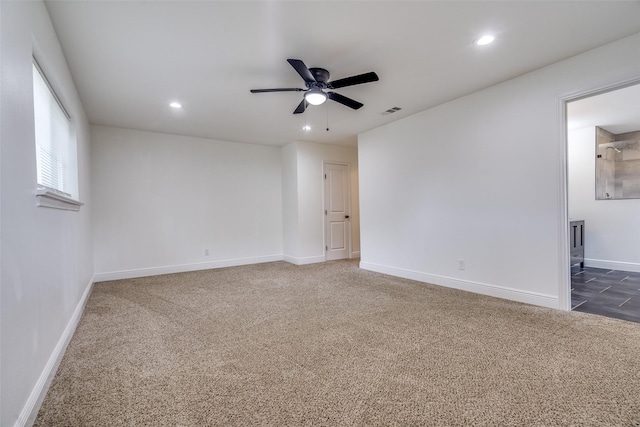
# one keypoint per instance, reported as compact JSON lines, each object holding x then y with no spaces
{"x":327,"y":117}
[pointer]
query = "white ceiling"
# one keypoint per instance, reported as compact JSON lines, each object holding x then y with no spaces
{"x":617,"y":111}
{"x":129,"y":59}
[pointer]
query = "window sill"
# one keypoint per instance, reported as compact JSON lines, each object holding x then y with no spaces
{"x":49,"y":199}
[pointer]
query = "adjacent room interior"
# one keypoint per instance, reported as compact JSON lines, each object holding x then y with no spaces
{"x":604,"y":179}
{"x":208,"y":237}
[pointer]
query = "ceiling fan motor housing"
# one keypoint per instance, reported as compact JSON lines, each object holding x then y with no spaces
{"x":321,"y":75}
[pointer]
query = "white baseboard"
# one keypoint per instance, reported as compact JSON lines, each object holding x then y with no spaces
{"x":304,"y":261}
{"x":30,"y":410}
{"x":612,"y":265}
{"x":469,"y":286}
{"x":156,"y":271}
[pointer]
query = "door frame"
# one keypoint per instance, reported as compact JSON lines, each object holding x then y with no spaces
{"x":324,"y":207}
{"x":564,"y":291}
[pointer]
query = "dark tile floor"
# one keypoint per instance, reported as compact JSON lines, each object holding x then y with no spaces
{"x":610,"y":293}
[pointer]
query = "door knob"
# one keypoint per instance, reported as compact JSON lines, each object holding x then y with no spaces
{"x":346,"y":216}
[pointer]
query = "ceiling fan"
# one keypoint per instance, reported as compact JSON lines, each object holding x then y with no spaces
{"x":317,"y":80}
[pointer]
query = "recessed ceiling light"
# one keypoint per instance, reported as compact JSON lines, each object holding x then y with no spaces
{"x":306,"y":128}
{"x":175,"y":105}
{"x":484,"y":40}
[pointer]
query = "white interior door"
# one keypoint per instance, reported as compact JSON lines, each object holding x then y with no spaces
{"x":336,"y":204}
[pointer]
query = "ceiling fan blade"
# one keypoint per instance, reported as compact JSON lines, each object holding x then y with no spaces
{"x":283,"y":89}
{"x":354,"y":80}
{"x":301,"y":107}
{"x":302,"y":69}
{"x":344,"y":100}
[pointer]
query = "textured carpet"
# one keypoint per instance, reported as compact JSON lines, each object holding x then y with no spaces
{"x":329,"y":344}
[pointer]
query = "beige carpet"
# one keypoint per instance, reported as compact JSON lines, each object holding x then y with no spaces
{"x":329,"y":344}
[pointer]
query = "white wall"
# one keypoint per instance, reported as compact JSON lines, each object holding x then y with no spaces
{"x":481,"y":179}
{"x":161,"y":200}
{"x":611,"y":226}
{"x":289,"y":160}
{"x":310,"y":194}
{"x":47,"y":260}
{"x":304,"y":241}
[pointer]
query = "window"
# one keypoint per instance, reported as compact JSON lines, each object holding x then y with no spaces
{"x":57,"y":176}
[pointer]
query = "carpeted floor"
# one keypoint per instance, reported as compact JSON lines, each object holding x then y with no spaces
{"x":329,"y":344}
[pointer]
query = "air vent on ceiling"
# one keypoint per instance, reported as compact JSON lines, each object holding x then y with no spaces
{"x":391,"y":111}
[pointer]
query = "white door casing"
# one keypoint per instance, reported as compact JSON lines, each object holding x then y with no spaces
{"x":337,"y":211}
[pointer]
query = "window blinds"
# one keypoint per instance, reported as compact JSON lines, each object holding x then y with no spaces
{"x":53,"y":136}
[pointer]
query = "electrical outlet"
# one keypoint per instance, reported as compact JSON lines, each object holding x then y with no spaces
{"x":460,"y":264}
{"x":206,"y":252}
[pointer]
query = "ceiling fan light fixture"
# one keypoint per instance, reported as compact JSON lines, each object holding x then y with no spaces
{"x":315,"y":96}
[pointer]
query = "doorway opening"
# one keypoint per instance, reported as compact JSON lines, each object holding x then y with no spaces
{"x":603,"y":201}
